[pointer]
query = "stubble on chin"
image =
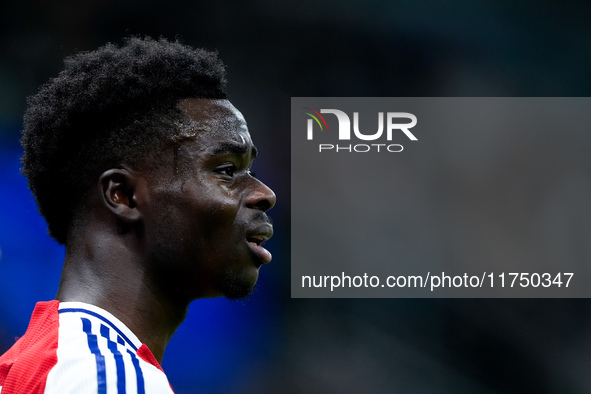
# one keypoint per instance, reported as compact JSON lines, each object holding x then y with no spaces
{"x":235,"y":285}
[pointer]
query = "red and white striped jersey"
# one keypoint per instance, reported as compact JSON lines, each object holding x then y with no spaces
{"x":72,"y":347}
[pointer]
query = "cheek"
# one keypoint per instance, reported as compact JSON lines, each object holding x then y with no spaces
{"x":218,"y":218}
{"x":215,"y":212}
{"x":201,"y":210}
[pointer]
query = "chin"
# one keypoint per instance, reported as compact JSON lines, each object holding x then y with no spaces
{"x":236,"y":285}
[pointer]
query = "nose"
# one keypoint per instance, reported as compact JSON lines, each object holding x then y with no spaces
{"x":261,"y":196}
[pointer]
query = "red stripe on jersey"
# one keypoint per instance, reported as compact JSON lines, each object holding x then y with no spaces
{"x":24,"y":368}
{"x":146,"y":355}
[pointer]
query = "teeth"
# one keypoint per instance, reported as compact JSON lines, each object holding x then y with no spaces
{"x":255,"y":241}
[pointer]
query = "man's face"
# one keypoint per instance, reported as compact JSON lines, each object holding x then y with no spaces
{"x":206,"y":217}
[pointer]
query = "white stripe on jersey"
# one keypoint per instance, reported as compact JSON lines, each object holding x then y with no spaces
{"x":97,"y":354}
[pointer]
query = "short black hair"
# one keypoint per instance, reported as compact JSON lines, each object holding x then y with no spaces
{"x":108,"y":106}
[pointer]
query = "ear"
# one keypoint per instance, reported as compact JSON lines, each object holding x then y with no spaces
{"x":118,"y":191}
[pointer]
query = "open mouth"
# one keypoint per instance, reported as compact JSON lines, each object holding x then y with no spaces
{"x":256,"y":240}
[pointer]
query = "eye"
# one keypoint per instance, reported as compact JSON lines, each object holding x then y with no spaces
{"x":227,"y":170}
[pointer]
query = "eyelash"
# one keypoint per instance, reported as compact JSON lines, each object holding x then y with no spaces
{"x":231,"y":170}
{"x":228,"y":170}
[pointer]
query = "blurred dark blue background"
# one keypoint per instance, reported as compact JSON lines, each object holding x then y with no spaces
{"x":274,"y":51}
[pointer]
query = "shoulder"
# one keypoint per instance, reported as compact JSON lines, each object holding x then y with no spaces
{"x":24,"y":367}
{"x":97,"y":352}
{"x":90,"y":351}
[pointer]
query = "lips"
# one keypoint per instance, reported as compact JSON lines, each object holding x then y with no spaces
{"x":255,"y":239}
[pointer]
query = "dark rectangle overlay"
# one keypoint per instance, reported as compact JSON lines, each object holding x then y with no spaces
{"x":441,"y":197}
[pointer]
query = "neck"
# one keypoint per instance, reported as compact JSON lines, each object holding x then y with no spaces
{"x":110,"y":275}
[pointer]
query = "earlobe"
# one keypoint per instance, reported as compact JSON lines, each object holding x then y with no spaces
{"x":118,"y":193}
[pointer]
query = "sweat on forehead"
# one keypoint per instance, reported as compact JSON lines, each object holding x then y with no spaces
{"x":208,"y":128}
{"x":217,"y":116}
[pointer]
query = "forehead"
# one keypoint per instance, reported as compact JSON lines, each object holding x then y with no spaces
{"x":214,"y":120}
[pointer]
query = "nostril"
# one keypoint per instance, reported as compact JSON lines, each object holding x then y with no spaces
{"x":263,"y":205}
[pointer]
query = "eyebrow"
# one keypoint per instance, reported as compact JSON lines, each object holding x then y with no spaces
{"x":224,"y":148}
